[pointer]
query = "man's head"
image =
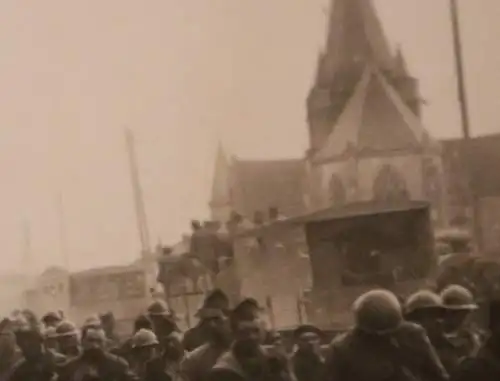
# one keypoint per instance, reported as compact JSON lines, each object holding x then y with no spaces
{"x":51,"y":319}
{"x":216,"y":325}
{"x":217,"y":299}
{"x":68,"y":340}
{"x":248,"y":336}
{"x":172,"y":346}
{"x":144,"y":345}
{"x":459,"y":303}
{"x":308,"y":338}
{"x":93,"y":342}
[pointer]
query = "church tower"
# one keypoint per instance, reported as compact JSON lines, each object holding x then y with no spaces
{"x":367,"y":140}
{"x":355,"y":38}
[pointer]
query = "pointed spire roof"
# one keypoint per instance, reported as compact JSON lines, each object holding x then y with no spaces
{"x":355,"y":36}
{"x":374,"y":112}
{"x":400,"y":65}
{"x":220,"y":184}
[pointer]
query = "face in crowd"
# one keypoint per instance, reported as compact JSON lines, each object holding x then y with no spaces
{"x":93,"y":342}
{"x":248,"y":336}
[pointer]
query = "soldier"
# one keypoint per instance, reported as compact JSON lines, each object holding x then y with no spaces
{"x":108,"y":323}
{"x":142,"y":322}
{"x":308,"y":362}
{"x":68,"y":341}
{"x":485,"y":366}
{"x":144,"y":346}
{"x":167,"y":366}
{"x":95,"y":363}
{"x":51,"y":319}
{"x":382,"y":346}
{"x":248,"y":359}
{"x":8,"y":355}
{"x":459,"y":304}
{"x":426,"y":309}
{"x":38,"y":364}
{"x":199,"y":362}
{"x":197,"y":336}
{"x":164,"y":320}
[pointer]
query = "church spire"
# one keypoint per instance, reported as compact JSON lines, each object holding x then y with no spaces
{"x":355,"y":39}
{"x":355,"y":36}
{"x":221,"y":193}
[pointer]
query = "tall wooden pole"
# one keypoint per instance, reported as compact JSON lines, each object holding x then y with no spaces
{"x":140,"y":210}
{"x":27,"y":254}
{"x":464,"y":113}
{"x":63,"y":235}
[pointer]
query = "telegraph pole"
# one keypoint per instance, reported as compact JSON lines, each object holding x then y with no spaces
{"x":140,"y":210}
{"x":63,"y":235}
{"x":26,"y":244}
{"x":464,"y":114}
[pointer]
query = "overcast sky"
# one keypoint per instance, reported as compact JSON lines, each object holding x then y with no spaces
{"x":183,"y":74}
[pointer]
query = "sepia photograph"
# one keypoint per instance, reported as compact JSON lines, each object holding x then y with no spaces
{"x":250,"y":190}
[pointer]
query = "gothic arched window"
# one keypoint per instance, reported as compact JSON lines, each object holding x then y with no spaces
{"x":389,"y":185}
{"x":336,"y":191}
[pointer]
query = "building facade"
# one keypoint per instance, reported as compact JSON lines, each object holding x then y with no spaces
{"x":470,"y":171}
{"x":367,"y":141}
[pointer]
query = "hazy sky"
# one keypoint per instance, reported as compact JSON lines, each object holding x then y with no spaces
{"x":182,"y":74}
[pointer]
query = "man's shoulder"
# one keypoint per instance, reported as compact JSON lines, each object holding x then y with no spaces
{"x":116,"y":360}
{"x":342,"y":339}
{"x":409,"y":326}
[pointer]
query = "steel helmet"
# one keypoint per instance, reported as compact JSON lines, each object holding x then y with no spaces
{"x":377,"y":312}
{"x":456,"y":297}
{"x":423,"y":300}
{"x":92,"y":322}
{"x":144,"y":338}
{"x":51,"y":316}
{"x":158,"y":308}
{"x":66,"y":328}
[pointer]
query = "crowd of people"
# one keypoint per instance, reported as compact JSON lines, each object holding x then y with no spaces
{"x":426,"y":337}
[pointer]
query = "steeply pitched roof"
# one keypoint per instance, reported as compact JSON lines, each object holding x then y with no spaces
{"x":261,"y":184}
{"x":375,"y":119}
{"x":483,"y":161}
{"x":355,"y":35}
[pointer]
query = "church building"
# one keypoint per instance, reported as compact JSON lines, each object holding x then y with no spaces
{"x":367,"y":141}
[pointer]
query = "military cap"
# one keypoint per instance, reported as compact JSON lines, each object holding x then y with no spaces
{"x":51,"y":316}
{"x":66,"y":328}
{"x":423,"y":300}
{"x":456,"y":297}
{"x":306,"y":328}
{"x":144,"y":338}
{"x":216,"y":295}
{"x":378,"y":312}
{"x":246,"y":309}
